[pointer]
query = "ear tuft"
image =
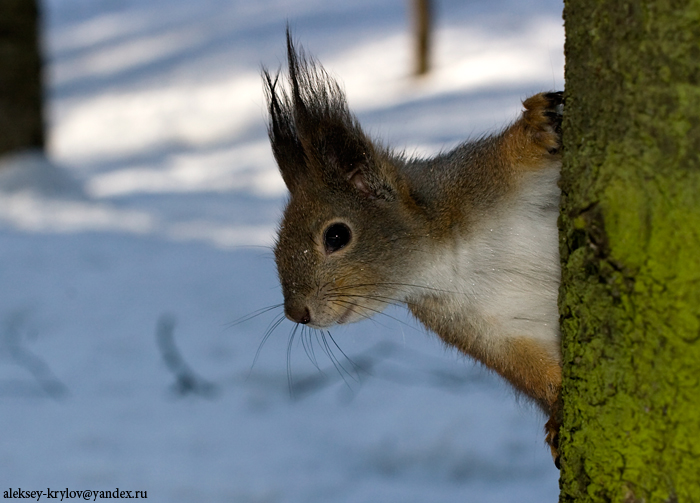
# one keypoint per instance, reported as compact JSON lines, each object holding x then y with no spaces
{"x":286,"y":146}
{"x":315,"y":139}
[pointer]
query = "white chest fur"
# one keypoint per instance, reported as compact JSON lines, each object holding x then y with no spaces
{"x":504,"y":277}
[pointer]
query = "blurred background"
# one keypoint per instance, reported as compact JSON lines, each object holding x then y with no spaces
{"x":135,"y":233}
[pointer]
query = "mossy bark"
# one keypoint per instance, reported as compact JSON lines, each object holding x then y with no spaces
{"x":21,"y":118}
{"x":630,"y":247}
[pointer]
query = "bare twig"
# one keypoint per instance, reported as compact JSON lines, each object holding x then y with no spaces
{"x":186,"y":381}
{"x":39,"y":369}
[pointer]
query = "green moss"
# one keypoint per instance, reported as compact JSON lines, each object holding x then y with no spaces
{"x":630,"y":247}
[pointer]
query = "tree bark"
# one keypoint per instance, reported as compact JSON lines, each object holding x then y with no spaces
{"x":21,"y":120}
{"x":630,"y":249}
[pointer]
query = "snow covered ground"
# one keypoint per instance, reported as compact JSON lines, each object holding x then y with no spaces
{"x":146,"y":236}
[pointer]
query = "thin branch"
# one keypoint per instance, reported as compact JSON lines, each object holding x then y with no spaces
{"x":186,"y":381}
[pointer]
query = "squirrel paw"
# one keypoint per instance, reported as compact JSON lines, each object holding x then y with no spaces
{"x":542,"y":116}
{"x":551,"y":429}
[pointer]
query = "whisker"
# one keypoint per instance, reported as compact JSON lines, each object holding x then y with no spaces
{"x":271,"y":328}
{"x":290,"y":380}
{"x":342,"y":371}
{"x":409,"y":285}
{"x":307,"y":343}
{"x":266,"y":247}
{"x":354,"y":365}
{"x":252,"y":315}
{"x":388,"y":300}
{"x":375,"y":311}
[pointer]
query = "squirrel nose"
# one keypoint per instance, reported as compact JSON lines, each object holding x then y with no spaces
{"x":298,"y":314}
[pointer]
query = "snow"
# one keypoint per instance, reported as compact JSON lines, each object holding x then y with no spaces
{"x":158,"y":201}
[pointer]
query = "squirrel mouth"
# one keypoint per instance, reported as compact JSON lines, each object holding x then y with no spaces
{"x":345,"y":316}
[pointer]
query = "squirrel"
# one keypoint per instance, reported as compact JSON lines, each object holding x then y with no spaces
{"x":467,"y":240}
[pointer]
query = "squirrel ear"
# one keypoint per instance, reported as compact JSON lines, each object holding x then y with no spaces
{"x":346,"y":158}
{"x":375,"y":180}
{"x":314,"y":136}
{"x":357,"y":180}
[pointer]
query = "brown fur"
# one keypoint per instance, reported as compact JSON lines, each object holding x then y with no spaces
{"x":532,"y":367}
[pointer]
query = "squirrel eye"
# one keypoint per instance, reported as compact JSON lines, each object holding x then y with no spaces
{"x":337,"y":236}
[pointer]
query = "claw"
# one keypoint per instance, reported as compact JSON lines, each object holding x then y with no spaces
{"x":552,"y":438}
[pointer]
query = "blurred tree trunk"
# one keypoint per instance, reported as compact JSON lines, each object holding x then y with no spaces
{"x":21,"y":122}
{"x":422,"y":19}
{"x":630,"y":246}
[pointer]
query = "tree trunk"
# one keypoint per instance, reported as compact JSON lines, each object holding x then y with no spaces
{"x":422,"y":19}
{"x":21,"y":123}
{"x":630,"y":247}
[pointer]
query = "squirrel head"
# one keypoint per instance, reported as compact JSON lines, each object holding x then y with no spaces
{"x":346,"y":216}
